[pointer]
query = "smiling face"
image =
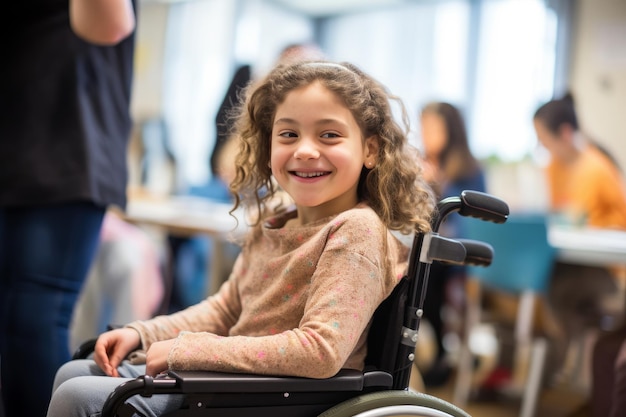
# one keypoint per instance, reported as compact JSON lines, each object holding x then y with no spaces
{"x":318,"y":152}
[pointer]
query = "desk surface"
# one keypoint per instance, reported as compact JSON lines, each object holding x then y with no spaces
{"x":588,"y":246}
{"x":185,"y":215}
{"x":189,"y":216}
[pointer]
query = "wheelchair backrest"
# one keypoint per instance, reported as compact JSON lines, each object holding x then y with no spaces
{"x":393,"y":332}
{"x":385,"y":332}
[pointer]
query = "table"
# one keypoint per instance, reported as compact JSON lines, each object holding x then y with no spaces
{"x":588,"y":246}
{"x":592,"y":247}
{"x":188,"y":216}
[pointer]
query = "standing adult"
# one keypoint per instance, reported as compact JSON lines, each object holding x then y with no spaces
{"x":64,"y":126}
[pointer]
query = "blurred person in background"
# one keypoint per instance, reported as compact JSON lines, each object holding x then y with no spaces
{"x":586,"y":189}
{"x":64,"y":128}
{"x":585,"y":184}
{"x":450,"y":168}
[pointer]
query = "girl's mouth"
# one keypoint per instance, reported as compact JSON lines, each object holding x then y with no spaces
{"x":309,"y":174}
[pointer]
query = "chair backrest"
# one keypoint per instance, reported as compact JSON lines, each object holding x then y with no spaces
{"x":523,"y":258}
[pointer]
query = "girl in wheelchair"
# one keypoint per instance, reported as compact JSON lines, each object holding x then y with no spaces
{"x":310,"y":275}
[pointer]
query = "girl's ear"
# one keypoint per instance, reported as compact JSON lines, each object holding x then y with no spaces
{"x":370,"y":151}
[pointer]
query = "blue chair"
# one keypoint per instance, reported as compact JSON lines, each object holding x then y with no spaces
{"x":521,"y":266}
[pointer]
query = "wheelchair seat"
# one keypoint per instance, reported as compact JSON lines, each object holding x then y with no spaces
{"x":380,"y":390}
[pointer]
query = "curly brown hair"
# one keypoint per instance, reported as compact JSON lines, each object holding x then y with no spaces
{"x":395,"y":188}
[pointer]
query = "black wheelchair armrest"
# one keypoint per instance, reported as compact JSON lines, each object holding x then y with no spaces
{"x":219,"y":382}
{"x":85,"y":349}
{"x":201,"y":388}
{"x":478,"y":253}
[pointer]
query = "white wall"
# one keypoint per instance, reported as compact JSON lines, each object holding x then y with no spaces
{"x":147,"y":83}
{"x":598,"y":72}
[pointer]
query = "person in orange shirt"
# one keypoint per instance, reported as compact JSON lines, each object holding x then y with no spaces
{"x":587,"y":188}
{"x":583,"y":180}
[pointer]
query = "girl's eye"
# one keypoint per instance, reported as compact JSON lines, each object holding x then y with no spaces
{"x":330,"y":135}
{"x":288,"y":135}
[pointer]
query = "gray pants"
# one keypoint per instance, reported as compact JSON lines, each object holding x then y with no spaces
{"x":81,"y":388}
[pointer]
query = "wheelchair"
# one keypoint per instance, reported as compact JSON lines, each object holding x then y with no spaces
{"x":380,"y":390}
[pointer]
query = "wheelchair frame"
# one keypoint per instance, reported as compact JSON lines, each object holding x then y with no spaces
{"x":380,"y":390}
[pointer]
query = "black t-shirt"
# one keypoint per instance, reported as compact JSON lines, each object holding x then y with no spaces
{"x":64,"y":110}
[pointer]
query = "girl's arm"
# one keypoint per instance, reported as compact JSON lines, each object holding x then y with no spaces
{"x":214,"y":315}
{"x":103,"y":22}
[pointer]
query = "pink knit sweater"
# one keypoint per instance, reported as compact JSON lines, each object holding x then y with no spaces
{"x":298,"y":301}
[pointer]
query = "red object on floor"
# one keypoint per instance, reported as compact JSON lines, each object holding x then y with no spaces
{"x":498,"y":378}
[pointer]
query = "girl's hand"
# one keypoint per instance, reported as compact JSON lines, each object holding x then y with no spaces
{"x":113,"y":346}
{"x":156,"y":357}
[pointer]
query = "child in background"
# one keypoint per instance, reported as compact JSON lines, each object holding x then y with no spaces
{"x":450,"y":168}
{"x":305,"y":286}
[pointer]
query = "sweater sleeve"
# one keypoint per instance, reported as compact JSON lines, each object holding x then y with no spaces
{"x":352,"y":277}
{"x":214,"y":315}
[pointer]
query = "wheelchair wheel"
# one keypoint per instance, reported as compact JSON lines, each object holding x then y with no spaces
{"x":394,"y":403}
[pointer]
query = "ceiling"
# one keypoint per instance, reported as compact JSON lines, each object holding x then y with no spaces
{"x":324,"y":8}
{"x":321,"y":8}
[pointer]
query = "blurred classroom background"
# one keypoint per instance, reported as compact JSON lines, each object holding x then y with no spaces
{"x":496,"y":60}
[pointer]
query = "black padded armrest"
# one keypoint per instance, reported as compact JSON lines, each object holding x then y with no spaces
{"x":215,"y":382}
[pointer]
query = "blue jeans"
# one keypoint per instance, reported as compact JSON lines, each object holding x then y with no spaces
{"x":45,"y":254}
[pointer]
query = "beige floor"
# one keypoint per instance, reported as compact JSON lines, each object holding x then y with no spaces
{"x":554,"y":402}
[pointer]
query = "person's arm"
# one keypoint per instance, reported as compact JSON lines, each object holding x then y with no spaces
{"x":103,"y":22}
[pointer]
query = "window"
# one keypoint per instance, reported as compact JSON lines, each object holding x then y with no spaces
{"x":494,"y":59}
{"x":514,"y":74}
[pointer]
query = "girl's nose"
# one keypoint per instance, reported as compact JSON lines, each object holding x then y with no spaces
{"x":306,"y":149}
